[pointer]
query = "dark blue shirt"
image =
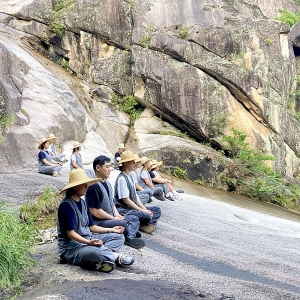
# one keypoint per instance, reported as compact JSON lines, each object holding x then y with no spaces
{"x":66,"y":217}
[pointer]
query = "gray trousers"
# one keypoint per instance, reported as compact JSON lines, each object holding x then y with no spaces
{"x":131,"y":224}
{"x":82,"y":254}
{"x":49,"y":170}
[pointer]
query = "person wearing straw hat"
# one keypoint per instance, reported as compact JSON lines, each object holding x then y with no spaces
{"x":58,"y":157}
{"x":47,"y":165}
{"x":144,"y":194}
{"x":165,"y":183}
{"x":100,"y":200}
{"x":126,"y":199}
{"x":145,"y":180}
{"x":80,"y":241}
{"x":119,"y":153}
{"x":76,"y":160}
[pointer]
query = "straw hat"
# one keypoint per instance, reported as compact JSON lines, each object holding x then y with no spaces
{"x":43,"y":140}
{"x":144,"y":159}
{"x":121,"y":146}
{"x":78,"y":177}
{"x":137,"y":158}
{"x":126,"y":156}
{"x":52,"y":136}
{"x":76,"y":144}
{"x":154,"y":163}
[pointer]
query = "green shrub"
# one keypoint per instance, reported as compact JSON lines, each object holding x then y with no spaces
{"x":63,"y":62}
{"x":288,"y":17}
{"x":15,"y":241}
{"x":145,"y":41}
{"x":129,"y":105}
{"x":179,"y":173}
{"x":183,"y":33}
{"x":249,"y":174}
{"x":43,"y":212}
{"x":58,"y":29}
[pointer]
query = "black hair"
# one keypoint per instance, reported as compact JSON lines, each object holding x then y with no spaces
{"x":121,"y":167}
{"x":70,"y":192}
{"x":100,"y":161}
{"x":43,"y":145}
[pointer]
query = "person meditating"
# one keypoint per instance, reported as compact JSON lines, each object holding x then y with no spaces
{"x":47,"y":165}
{"x":80,"y":241}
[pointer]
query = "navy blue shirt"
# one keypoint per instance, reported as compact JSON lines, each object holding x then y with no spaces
{"x":66,"y":217}
{"x":42,"y":155}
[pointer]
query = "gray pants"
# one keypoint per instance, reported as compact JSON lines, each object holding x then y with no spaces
{"x":131,"y":224}
{"x":49,"y":170}
{"x":82,"y":254}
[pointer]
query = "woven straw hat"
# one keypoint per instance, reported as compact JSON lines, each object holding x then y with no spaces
{"x":76,"y":144}
{"x":43,"y":140}
{"x":137,"y":158}
{"x":121,"y":146}
{"x":78,"y":177}
{"x":52,"y":136}
{"x":154,"y":163}
{"x":144,"y":159}
{"x":126,"y":156}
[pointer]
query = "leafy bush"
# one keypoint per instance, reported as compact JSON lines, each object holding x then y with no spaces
{"x":183,"y":33}
{"x":145,"y":41}
{"x":15,"y":241}
{"x":248,"y":173}
{"x":58,"y":29}
{"x":179,"y":173}
{"x":288,"y":17}
{"x":129,"y":105}
{"x":43,"y":212}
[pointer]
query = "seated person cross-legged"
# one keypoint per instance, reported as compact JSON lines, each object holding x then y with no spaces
{"x":145,"y":180}
{"x":47,"y":165}
{"x":100,"y":200}
{"x":80,"y":241}
{"x":165,"y":183}
{"x":126,"y":199}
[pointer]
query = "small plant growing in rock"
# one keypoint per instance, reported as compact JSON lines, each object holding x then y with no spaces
{"x":128,"y":104}
{"x":63,"y":62}
{"x":58,"y":29}
{"x":145,"y":41}
{"x":268,"y":41}
{"x":62,"y":5}
{"x":183,"y":33}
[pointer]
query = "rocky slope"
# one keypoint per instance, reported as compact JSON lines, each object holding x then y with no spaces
{"x":205,"y":66}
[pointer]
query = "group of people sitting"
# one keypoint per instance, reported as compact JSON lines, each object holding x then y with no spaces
{"x":49,"y":162}
{"x":91,"y":230}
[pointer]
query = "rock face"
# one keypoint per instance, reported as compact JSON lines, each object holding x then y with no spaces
{"x":205,"y":66}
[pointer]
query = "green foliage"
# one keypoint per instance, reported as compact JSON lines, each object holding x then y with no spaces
{"x":63,"y":62}
{"x":145,"y":41}
{"x":297,"y":115}
{"x":62,"y":5}
{"x":288,"y":17}
{"x":249,"y":173}
{"x":187,"y":161}
{"x":183,"y":33}
{"x":43,"y":211}
{"x":129,"y":105}
{"x":15,"y":241}
{"x":179,"y":173}
{"x":7,"y":121}
{"x":217,"y":123}
{"x":58,"y":29}
{"x":268,"y":41}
